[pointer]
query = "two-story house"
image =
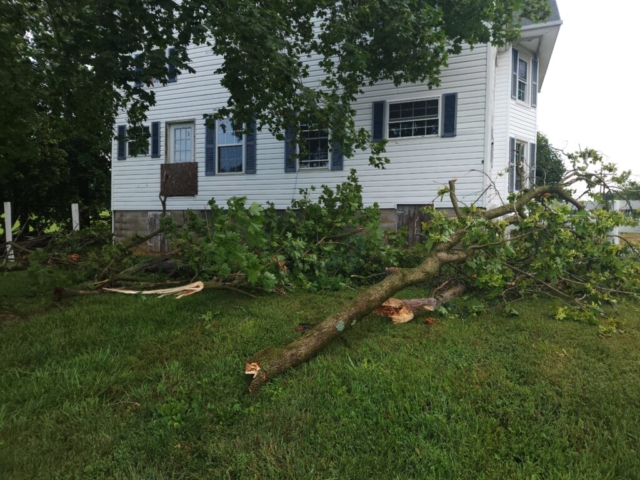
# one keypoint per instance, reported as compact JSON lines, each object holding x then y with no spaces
{"x":477,"y":126}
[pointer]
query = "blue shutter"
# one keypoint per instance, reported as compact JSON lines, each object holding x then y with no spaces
{"x":337,"y":157}
{"x":172,"y":75}
{"x":450,"y":108}
{"x":209,"y":151}
{"x":155,"y":139}
{"x":289,"y":151}
{"x":138,"y":74}
{"x":250,"y":146}
{"x":122,"y":142}
{"x":534,"y":82}
{"x":514,"y":73}
{"x":377,"y":131}
{"x":532,"y":165}
{"x":512,"y":163}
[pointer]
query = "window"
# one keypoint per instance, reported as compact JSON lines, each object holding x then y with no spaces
{"x":181,"y":143}
{"x":523,"y":70}
{"x":230,"y":146}
{"x":139,"y":136}
{"x":413,"y":119}
{"x":317,"y":146}
{"x":518,"y":163}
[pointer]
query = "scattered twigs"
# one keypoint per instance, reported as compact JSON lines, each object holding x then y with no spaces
{"x":136,"y":240}
{"x":148,"y":264}
{"x":52,"y":258}
{"x":106,"y":269}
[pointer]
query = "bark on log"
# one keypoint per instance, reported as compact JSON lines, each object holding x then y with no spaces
{"x":60,"y":293}
{"x":271,"y":362}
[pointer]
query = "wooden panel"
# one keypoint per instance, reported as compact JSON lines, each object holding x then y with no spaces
{"x":158,"y":243}
{"x":179,"y":179}
{"x":411,"y":217}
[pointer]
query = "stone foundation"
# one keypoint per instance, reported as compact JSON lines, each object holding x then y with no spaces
{"x":143,"y":222}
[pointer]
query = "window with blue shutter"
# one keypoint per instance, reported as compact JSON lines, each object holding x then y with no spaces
{"x":515,"y":56}
{"x":172,"y":71}
{"x":377,"y":130}
{"x":290,"y":164}
{"x":337,"y":157}
{"x":512,"y":163}
{"x":138,"y":73}
{"x":450,"y":109}
{"x":251,"y":149}
{"x":534,"y":82}
{"x":155,"y":139}
{"x":532,"y":165}
{"x":122,"y":142}
{"x":209,"y":151}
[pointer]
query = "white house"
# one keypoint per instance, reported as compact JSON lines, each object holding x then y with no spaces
{"x":478,"y":123}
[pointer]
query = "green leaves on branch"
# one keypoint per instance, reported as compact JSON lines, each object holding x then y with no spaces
{"x":319,"y":243}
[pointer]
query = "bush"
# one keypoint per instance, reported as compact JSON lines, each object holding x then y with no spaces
{"x":327,"y":244}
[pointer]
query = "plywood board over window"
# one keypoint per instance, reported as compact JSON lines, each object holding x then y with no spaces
{"x":179,"y":179}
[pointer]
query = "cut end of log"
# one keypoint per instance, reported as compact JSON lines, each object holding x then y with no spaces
{"x":252,"y":368}
{"x":396,"y":310}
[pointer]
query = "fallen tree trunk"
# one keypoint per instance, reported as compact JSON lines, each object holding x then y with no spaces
{"x":271,"y":362}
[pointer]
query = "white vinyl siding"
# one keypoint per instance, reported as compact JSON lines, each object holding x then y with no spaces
{"x":512,"y":119}
{"x":417,"y":170}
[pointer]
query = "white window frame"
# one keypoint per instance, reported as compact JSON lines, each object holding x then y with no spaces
{"x":527,"y":83}
{"x":147,"y":151}
{"x":171,"y":127}
{"x":244,"y":151}
{"x":525,"y":162}
{"x":329,"y":153}
{"x":439,"y":118}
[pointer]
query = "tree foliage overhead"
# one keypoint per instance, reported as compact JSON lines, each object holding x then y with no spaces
{"x":549,"y":164}
{"x":71,"y":65}
{"x":266,"y":48}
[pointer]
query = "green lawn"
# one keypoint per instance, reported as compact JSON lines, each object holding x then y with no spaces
{"x":139,"y":388}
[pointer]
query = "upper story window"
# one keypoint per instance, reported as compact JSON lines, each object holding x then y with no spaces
{"x":317,"y":146}
{"x":414,"y":119}
{"x":230,"y":148}
{"x":523,"y":74}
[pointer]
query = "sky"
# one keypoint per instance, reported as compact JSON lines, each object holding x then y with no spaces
{"x":591,"y":93}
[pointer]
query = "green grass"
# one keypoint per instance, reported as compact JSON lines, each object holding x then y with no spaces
{"x":139,"y":388}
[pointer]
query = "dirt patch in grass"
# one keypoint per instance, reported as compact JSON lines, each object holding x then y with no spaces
{"x":633,"y":238}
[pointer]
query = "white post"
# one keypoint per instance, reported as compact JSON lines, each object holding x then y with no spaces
{"x":615,"y":234}
{"x":8,"y":224}
{"x":75,"y":216}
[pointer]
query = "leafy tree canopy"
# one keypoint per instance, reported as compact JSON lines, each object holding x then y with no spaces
{"x":71,"y":65}
{"x":549,"y":165}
